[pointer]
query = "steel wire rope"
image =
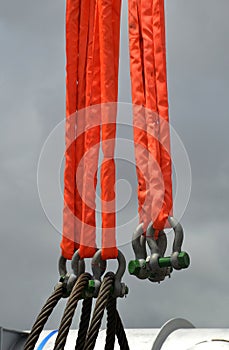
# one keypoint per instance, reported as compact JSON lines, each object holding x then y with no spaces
{"x":43,"y":317}
{"x":69,"y":311}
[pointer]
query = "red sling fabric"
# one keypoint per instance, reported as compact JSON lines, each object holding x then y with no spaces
{"x":151,"y":128}
{"x":72,"y":49}
{"x":109,"y":24}
{"x":92,"y":138}
{"x":92,"y":49}
{"x":92,"y":43}
{"x":162,"y":98}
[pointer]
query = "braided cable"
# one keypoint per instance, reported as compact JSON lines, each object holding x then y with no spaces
{"x":69,"y":311}
{"x":121,"y":334}
{"x":100,"y":306}
{"x":84,"y":324}
{"x":111,"y":323}
{"x":43,"y":317}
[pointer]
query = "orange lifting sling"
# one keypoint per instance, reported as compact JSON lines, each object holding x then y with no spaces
{"x":150,"y":111}
{"x":92,"y":50}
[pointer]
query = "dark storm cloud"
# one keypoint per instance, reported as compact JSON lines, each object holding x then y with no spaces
{"x":32,"y":84}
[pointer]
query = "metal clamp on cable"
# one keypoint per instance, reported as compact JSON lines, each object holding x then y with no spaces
{"x":120,"y":289}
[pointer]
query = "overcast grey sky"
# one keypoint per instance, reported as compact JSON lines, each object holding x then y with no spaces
{"x":32,"y":102}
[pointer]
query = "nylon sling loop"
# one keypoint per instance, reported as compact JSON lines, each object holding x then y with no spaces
{"x":150,"y":111}
{"x":72,"y":52}
{"x":106,"y":20}
{"x":95,"y":80}
{"x":109,"y":24}
{"x":92,"y":139}
{"x":77,"y":23}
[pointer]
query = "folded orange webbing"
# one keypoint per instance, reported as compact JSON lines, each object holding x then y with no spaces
{"x":102,"y":88}
{"x":162,"y":105}
{"x":109,"y":24}
{"x":72,"y":49}
{"x":77,"y":24}
{"x":150,"y":111}
{"x":95,"y":81}
{"x":92,"y":138}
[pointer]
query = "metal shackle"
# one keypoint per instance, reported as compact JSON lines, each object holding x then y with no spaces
{"x":177,"y":243}
{"x":78,"y":267}
{"x":138,"y":266}
{"x":157,"y":248}
{"x":98,"y":267}
{"x":64,"y":276}
{"x":178,"y":233}
{"x":139,"y":243}
{"x":120,"y":289}
{"x":67,"y":279}
{"x":78,"y":264}
{"x":62,"y":266}
{"x":154,"y":249}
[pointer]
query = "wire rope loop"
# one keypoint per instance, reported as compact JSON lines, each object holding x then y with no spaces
{"x":42,"y":318}
{"x":69,"y":311}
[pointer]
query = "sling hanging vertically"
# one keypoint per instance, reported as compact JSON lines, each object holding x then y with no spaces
{"x":92,"y":47}
{"x":150,"y":111}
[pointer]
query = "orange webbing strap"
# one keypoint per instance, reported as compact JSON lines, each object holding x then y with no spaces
{"x":116,"y":17}
{"x":148,"y":73}
{"x":80,"y":121}
{"x":96,"y":79}
{"x":138,"y":100}
{"x":72,"y":49}
{"x":92,"y":137}
{"x":162,"y":105}
{"x":101,"y":85}
{"x":77,"y":32}
{"x":109,"y":26}
{"x":155,"y":178}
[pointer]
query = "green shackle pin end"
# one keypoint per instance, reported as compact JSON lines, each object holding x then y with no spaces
{"x":135,"y":266}
{"x":183,"y":261}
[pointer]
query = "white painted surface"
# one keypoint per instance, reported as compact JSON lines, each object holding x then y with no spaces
{"x":197,"y":339}
{"x":142,"y":339}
